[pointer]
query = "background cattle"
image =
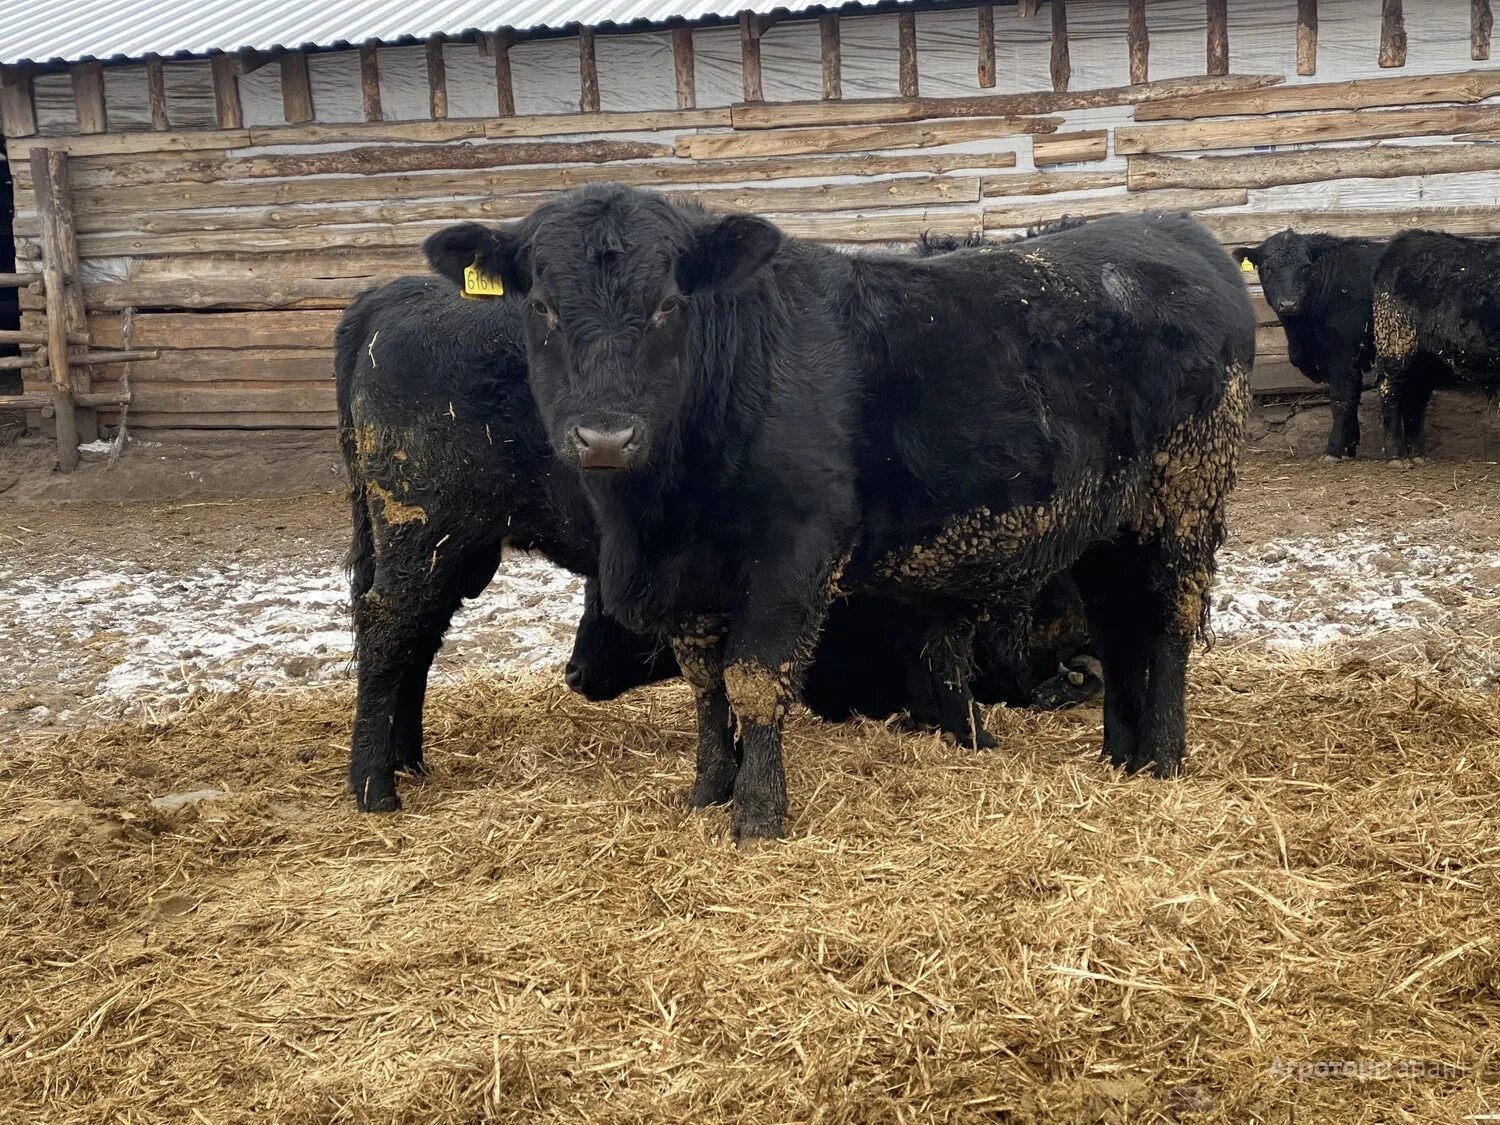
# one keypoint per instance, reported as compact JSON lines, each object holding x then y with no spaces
{"x":761,"y":423}
{"x":1319,"y":286}
{"x":1437,"y":315}
{"x":447,"y":463}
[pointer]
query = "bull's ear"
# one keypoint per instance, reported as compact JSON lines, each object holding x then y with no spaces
{"x":1251,"y":254}
{"x":497,"y":251}
{"x":725,"y":251}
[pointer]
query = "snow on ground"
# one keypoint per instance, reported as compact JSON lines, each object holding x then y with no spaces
{"x":117,"y":637}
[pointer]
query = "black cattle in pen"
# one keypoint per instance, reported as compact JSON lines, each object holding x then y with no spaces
{"x":1319,"y":286}
{"x":1436,"y":310}
{"x":761,"y":423}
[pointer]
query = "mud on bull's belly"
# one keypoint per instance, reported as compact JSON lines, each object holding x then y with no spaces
{"x":984,"y":555}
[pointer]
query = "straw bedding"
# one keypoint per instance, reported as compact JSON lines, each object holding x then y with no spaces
{"x":548,"y":934}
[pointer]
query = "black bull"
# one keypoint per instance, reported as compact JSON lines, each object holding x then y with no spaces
{"x":761,"y":423}
{"x":448,"y":462}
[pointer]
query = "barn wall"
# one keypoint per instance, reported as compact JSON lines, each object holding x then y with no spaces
{"x":234,"y":250}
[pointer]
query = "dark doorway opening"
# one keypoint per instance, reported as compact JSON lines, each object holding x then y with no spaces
{"x":10,"y":300}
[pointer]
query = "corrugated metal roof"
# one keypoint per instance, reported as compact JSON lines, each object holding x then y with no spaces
{"x":72,"y":30}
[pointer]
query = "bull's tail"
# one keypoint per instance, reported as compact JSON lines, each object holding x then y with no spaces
{"x":348,"y":340}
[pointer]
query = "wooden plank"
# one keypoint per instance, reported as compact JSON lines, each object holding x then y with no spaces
{"x":505,"y":93}
{"x":1280,"y":377}
{"x":1061,"y":63}
{"x":1028,"y":214}
{"x":156,"y":94}
{"x":226,"y":92}
{"x":1481,"y":21}
{"x":1307,"y":37}
{"x":684,"y":67}
{"x":829,"y":50}
{"x":369,"y":80}
{"x":858,"y":138}
{"x":127,"y":143}
{"x":240,"y":331}
{"x":1070,"y":148}
{"x":479,"y":184}
{"x":17,"y":105}
{"x":878,"y":228}
{"x":1339,"y":125}
{"x":1027,"y":8}
{"x":1218,"y":36}
{"x":226,"y":396}
{"x":1272,"y":169}
{"x":906,"y":52}
{"x":986,"y":46}
{"x":296,"y":89}
{"x":194,"y":293}
{"x":881,"y":111}
{"x":88,"y":96}
{"x":750,"y":57}
{"x":49,"y":172}
{"x":437,"y":78}
{"x":1138,"y":40}
{"x":1255,"y":226}
{"x":1047,"y":183}
{"x":240,"y":420}
{"x":1392,"y":34}
{"x":588,"y":72}
{"x":16,"y":280}
{"x":395,"y":224}
{"x":268,"y":366}
{"x":1465,"y":87}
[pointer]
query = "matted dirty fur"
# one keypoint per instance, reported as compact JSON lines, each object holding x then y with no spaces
{"x":547,"y":934}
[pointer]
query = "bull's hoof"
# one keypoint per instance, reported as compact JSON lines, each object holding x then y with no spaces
{"x":375,"y":798}
{"x":750,"y":832}
{"x":705,"y":794}
{"x":1419,"y":460}
{"x":1118,"y":756}
{"x":1331,"y":458}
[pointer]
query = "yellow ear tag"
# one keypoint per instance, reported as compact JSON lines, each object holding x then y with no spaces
{"x":479,"y":284}
{"x":1247,"y":266}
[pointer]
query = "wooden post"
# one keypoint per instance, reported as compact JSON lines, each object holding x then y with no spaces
{"x":505,"y":87}
{"x":156,"y":93}
{"x":906,"y":39}
{"x":750,"y":57}
{"x":1139,"y":42}
{"x":1307,"y":36}
{"x":685,"y":68}
{"x":369,"y":81}
{"x":296,"y":89}
{"x":588,"y":72}
{"x":1062,"y":62}
{"x":986,"y":46}
{"x":65,"y":314}
{"x":88,"y":96}
{"x":1027,"y":8}
{"x":1392,"y":34}
{"x":227,"y":93}
{"x":833,"y":60}
{"x":1218,"y":36}
{"x":437,"y":79}
{"x":17,"y":106}
{"x":1480,"y":23}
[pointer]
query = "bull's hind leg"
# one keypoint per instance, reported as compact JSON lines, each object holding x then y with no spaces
{"x":1113,"y":583}
{"x":939,"y":679}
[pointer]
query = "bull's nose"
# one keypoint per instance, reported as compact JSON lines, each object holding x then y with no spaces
{"x":603,"y":449}
{"x":573,"y":677}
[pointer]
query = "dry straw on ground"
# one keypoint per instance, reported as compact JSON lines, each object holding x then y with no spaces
{"x":546,"y":934}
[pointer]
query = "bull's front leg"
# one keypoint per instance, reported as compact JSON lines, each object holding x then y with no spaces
{"x":699,"y":648}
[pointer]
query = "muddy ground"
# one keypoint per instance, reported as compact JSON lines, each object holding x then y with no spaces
{"x":108,"y":608}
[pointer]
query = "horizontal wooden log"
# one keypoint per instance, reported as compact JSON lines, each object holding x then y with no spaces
{"x":13,"y":336}
{"x":235,"y":395}
{"x":877,"y":227}
{"x":1465,"y":87}
{"x":234,"y":420}
{"x":34,"y":361}
{"x":1028,"y":214}
{"x":1279,"y":377}
{"x":19,"y":280}
{"x":1348,"y":125}
{"x":100,"y":144}
{"x":1046,"y":183}
{"x":241,"y":330}
{"x":858,"y":138}
{"x":175,"y":196}
{"x":253,"y":221}
{"x":420,"y":158}
{"x":1070,"y":148}
{"x":1251,"y":226}
{"x":217,"y":365}
{"x":1271,"y":169}
{"x":879,"y":111}
{"x":34,"y":400}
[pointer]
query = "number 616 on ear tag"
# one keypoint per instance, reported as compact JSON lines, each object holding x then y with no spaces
{"x":480,"y":284}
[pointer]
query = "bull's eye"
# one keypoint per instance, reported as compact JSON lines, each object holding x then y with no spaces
{"x":668,"y":306}
{"x":543,"y":310}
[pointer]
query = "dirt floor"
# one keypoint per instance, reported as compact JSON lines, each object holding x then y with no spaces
{"x":194,"y":925}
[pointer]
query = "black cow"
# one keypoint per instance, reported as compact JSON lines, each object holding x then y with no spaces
{"x":1319,"y":286}
{"x":761,"y":423}
{"x":1437,"y":315}
{"x":448,"y":462}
